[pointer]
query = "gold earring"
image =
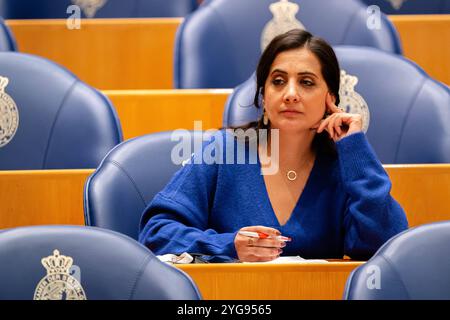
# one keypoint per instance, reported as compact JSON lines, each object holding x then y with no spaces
{"x":265,"y":118}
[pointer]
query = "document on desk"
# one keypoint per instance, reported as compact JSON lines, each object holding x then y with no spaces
{"x":292,"y":259}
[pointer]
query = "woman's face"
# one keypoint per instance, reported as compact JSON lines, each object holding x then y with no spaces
{"x":295,"y":91}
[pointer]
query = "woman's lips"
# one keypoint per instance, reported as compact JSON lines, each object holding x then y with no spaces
{"x":290,"y":112}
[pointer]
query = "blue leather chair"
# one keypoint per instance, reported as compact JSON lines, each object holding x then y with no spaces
{"x":76,"y":262}
{"x":412,"y":6}
{"x":52,"y":119}
{"x":412,"y":265}
{"x":51,"y":9}
{"x":7,"y":41}
{"x":218,"y":45}
{"x":128,"y":178}
{"x":408,"y":110}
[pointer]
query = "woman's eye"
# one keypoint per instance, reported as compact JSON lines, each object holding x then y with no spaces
{"x":307,"y":83}
{"x":277,"y":82}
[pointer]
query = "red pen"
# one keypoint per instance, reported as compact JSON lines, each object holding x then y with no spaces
{"x":262,"y":235}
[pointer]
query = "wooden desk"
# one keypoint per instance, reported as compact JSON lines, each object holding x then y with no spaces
{"x":147,"y":111}
{"x":138,"y":53}
{"x":422,"y":190}
{"x":426,"y":41}
{"x":271,"y":281}
{"x":105,"y":53}
{"x":56,"y":196}
{"x":36,"y":197}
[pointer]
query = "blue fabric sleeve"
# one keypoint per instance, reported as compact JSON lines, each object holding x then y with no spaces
{"x":372,"y":216}
{"x":176,"y":220}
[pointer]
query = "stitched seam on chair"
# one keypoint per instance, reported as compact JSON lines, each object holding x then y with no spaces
{"x":402,"y":131}
{"x":129,"y":177}
{"x":139,"y":275}
{"x":398,"y":274}
{"x":69,"y":92}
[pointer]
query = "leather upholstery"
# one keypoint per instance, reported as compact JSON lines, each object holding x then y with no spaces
{"x":218,"y":45}
{"x":409,"y":111}
{"x":412,"y":265}
{"x":63,"y":123}
{"x":108,"y":265}
{"x":129,"y":177}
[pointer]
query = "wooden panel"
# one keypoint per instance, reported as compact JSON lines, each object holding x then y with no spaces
{"x":56,"y":196}
{"x":148,"y":111}
{"x":138,"y":53}
{"x":105,"y":53}
{"x":426,"y":41}
{"x":41,"y":197}
{"x":266,"y":281}
{"x":422,"y":190}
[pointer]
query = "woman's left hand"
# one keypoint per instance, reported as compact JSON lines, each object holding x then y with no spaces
{"x":339,"y":124}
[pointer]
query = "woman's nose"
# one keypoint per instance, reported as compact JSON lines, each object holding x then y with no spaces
{"x":292,"y":94}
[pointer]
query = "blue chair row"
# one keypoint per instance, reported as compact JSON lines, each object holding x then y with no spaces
{"x":79,"y":263}
{"x":219,"y":44}
{"x":405,"y":110}
{"x":412,"y":6}
{"x":51,"y":9}
{"x":50,"y":119}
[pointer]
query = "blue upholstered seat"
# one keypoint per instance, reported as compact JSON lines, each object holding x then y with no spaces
{"x":408,"y":110}
{"x":412,"y":265}
{"x":76,"y":262}
{"x":52,"y":120}
{"x":128,"y":178}
{"x":218,"y":45}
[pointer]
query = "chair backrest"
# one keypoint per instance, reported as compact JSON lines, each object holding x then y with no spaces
{"x":406,"y":111}
{"x":413,"y":265}
{"x":51,"y":9}
{"x":219,"y":44}
{"x":411,"y":6}
{"x":50,"y":119}
{"x":76,"y":262}
{"x":117,"y":193}
{"x":7,"y":41}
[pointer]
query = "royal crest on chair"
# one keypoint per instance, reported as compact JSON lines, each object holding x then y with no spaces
{"x":89,"y":7}
{"x":58,"y":284}
{"x":9,"y":115}
{"x":351,"y":101}
{"x":396,"y":4}
{"x":283,"y":20}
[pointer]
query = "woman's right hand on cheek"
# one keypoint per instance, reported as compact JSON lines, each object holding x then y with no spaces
{"x":251,"y":249}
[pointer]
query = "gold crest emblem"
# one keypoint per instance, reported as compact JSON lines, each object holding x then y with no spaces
{"x":9,"y":114}
{"x":396,"y":4}
{"x":58,"y":284}
{"x":351,"y":101}
{"x":89,"y":7}
{"x":283,"y":20}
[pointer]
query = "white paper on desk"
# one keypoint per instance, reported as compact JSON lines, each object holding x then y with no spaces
{"x":292,"y":259}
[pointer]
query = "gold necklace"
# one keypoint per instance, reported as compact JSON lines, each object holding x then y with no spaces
{"x":291,"y":175}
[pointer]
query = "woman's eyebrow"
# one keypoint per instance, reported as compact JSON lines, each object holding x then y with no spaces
{"x":302,"y":73}
{"x":307,"y":73}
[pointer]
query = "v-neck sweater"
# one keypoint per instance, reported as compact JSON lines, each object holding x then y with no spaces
{"x":345,"y":207}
